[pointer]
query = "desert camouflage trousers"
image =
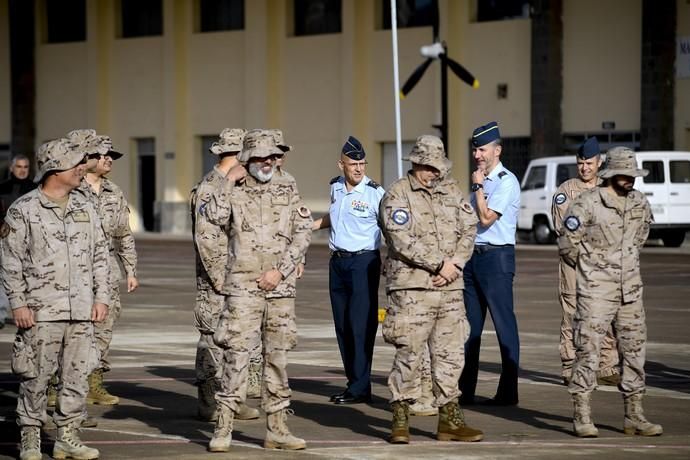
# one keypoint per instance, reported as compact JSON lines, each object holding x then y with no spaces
{"x":592,"y":321}
{"x":244,"y":320}
{"x":414,"y":320}
{"x":65,"y":346}
{"x":209,"y":356}
{"x":103,"y":331}
{"x":608,"y":364}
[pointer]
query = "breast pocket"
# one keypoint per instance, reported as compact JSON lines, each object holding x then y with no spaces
{"x":597,"y":236}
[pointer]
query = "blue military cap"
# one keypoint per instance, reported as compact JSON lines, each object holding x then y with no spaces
{"x":485,"y":134}
{"x":589,"y":149}
{"x":353,"y":149}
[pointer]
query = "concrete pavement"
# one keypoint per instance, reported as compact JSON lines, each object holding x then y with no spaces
{"x":154,"y":346}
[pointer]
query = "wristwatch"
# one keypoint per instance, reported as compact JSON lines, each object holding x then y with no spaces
{"x":476,"y":187}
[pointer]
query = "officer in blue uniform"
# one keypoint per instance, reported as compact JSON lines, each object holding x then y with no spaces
{"x":489,"y":273}
{"x":354,"y":268}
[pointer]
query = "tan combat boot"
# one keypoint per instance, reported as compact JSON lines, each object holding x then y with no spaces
{"x":400,"y":431}
{"x":452,"y":427}
{"x":206,"y":400}
{"x":254,"y":380}
{"x":68,"y":445}
{"x":222,"y":435}
{"x":97,"y":392}
{"x":278,"y":435}
{"x":31,"y":443}
{"x":635,"y":421}
{"x":582,"y":421}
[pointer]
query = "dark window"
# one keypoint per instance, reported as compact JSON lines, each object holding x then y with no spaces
{"x":141,"y":18}
{"x":208,"y":159}
{"x":680,"y":172}
{"x":411,"y":13}
{"x":313,"y":17}
{"x":656,"y":172}
{"x":565,"y":172}
{"x":536,"y":178}
{"x":65,"y":21}
{"x":497,"y":10}
{"x":221,"y":15}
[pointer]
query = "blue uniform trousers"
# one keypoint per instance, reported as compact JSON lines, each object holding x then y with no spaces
{"x":354,"y":285}
{"x":488,"y":279}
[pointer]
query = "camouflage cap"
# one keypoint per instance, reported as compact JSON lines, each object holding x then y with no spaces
{"x":428,"y":150}
{"x":107,"y":144}
{"x":259,"y":143}
{"x":229,"y":141}
{"x":57,"y":155}
{"x":280,"y":142}
{"x":620,"y":161}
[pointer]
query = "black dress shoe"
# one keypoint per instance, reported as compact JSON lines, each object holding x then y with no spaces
{"x":349,"y":398}
{"x":338,"y":395}
{"x":500,"y":402}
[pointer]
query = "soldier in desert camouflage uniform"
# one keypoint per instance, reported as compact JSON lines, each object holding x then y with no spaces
{"x":588,"y":163}
{"x":605,"y":228}
{"x":269,"y":232}
{"x":55,"y":271}
{"x":430,"y":230}
{"x":211,"y":247}
{"x":112,"y":208}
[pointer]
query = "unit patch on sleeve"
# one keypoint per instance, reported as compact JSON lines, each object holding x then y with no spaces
{"x":560,"y":199}
{"x":572,"y":223}
{"x":400,"y":216}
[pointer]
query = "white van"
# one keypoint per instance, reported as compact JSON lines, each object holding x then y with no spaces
{"x":667,"y":188}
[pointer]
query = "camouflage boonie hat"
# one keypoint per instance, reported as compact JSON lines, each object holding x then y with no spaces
{"x":57,"y":155}
{"x":429,"y":151}
{"x":259,"y":143}
{"x":280,"y":142}
{"x":229,"y":141}
{"x":620,"y":161}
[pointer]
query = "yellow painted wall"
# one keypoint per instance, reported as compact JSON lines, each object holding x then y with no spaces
{"x":5,"y":80}
{"x":682,"y":113}
{"x":601,"y":64}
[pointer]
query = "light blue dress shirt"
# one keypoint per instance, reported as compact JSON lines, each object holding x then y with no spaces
{"x":502,"y":193}
{"x":354,"y":216}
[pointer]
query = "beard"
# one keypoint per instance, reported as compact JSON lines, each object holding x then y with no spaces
{"x":256,"y":173}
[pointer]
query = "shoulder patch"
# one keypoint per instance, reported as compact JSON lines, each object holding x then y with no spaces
{"x":373,"y":184}
{"x":560,"y":198}
{"x":501,"y":174}
{"x":572,"y":223}
{"x":334,"y":180}
{"x":400,"y":216}
{"x":303,"y":211}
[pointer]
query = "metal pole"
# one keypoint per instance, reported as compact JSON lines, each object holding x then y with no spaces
{"x":396,"y":86}
{"x":444,"y":99}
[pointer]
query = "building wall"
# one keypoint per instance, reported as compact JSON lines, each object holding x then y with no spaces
{"x":183,"y":85}
{"x":601,"y":64}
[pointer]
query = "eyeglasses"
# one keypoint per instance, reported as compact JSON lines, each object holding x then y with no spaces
{"x":94,"y":156}
{"x":359,"y":164}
